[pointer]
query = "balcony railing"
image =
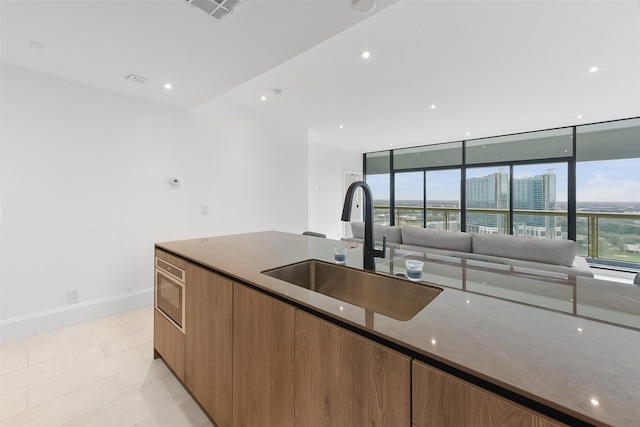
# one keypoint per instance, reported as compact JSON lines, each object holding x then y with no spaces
{"x":601,"y":236}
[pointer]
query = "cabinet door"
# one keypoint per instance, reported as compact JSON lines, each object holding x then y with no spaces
{"x":344,"y":379}
{"x":441,"y":400}
{"x":208,"y":342}
{"x":263,"y":360}
{"x":168,"y":342}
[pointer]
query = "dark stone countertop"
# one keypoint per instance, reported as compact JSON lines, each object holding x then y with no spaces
{"x":559,"y":360}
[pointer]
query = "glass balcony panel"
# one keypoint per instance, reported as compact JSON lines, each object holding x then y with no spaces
{"x":582,"y":235}
{"x":409,"y":216}
{"x":382,"y":215}
{"x":619,"y":238}
{"x":546,"y":226}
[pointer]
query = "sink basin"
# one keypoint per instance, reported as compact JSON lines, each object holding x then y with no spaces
{"x":390,"y":296}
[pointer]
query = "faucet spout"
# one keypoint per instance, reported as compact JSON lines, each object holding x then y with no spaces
{"x":369,"y":252}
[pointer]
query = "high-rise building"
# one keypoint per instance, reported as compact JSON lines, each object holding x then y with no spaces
{"x":530,"y":193}
{"x":535,"y":193}
{"x":487,"y":192}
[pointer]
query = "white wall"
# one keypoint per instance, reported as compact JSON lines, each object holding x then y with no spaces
{"x":85,"y":193}
{"x":326,"y":186}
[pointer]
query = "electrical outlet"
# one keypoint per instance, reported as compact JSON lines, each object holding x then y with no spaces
{"x":205,"y":210}
{"x":73,"y":296}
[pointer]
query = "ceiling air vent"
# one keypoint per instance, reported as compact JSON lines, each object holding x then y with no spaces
{"x":137,"y":79}
{"x":219,"y":9}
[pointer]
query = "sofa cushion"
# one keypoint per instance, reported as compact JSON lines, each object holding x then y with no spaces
{"x":551,"y":251}
{"x":393,"y":233}
{"x":451,"y":240}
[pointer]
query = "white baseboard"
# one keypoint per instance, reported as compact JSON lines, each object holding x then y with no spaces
{"x":50,"y":320}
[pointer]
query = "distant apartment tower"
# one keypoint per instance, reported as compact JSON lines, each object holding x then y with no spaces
{"x":535,"y":193}
{"x":531,"y":193}
{"x":487,"y":192}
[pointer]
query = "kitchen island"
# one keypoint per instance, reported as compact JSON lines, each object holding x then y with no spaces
{"x":460,"y":356}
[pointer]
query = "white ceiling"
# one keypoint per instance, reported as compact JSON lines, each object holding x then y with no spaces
{"x":99,"y":42}
{"x":490,"y":67}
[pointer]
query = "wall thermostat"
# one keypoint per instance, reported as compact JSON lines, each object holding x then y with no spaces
{"x":175,"y":182}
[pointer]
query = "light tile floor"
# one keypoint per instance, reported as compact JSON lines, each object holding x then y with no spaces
{"x":100,"y":373}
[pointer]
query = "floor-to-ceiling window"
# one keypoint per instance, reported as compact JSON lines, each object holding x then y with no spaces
{"x":608,"y":191}
{"x":577,"y":182}
{"x":514,"y":183}
{"x":427,"y":186}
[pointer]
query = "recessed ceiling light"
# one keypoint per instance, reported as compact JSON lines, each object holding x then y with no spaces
{"x":167,"y":86}
{"x":341,"y":126}
{"x":594,"y":69}
{"x":468,"y":133}
{"x":595,"y":402}
{"x":433,"y":106}
{"x":391,"y":144}
{"x":366,"y":54}
{"x":578,"y":117}
{"x":263,"y":98}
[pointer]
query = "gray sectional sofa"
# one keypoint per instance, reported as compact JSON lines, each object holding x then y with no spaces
{"x":552,"y":255}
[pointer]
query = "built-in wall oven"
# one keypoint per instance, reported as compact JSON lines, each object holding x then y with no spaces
{"x":170,"y":292}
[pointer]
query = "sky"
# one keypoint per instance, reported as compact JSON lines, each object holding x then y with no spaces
{"x":601,"y":181}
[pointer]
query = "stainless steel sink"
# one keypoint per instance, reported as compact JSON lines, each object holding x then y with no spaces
{"x":393,"y":297}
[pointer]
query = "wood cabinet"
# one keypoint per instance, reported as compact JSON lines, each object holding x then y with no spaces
{"x":263,"y":360}
{"x":252,"y":360}
{"x":441,"y":400}
{"x":209,"y":342}
{"x":168,"y":342}
{"x":344,"y":379}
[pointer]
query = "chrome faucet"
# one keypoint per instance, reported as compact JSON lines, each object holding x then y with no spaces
{"x":370,"y":252}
